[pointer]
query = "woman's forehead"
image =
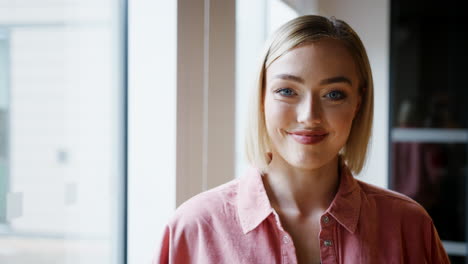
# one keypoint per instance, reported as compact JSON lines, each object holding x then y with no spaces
{"x":312,"y":61}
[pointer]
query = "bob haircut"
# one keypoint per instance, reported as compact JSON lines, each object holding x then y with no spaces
{"x":305,"y":30}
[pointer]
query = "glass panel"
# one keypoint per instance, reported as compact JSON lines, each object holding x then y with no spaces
{"x":429,"y":65}
{"x":3,"y":123}
{"x":434,"y":176}
{"x":429,"y":113}
{"x":63,"y":191}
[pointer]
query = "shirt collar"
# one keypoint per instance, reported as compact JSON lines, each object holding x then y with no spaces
{"x":253,"y":205}
{"x":346,"y":206}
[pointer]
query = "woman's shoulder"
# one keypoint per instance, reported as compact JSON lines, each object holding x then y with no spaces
{"x":216,"y":204}
{"x":202,"y":227}
{"x":392,"y":202}
{"x":401,"y":219}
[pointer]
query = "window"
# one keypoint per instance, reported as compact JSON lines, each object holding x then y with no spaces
{"x":61,"y":131}
{"x":429,"y":135}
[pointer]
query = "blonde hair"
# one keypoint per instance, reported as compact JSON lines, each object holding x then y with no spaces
{"x":303,"y":30}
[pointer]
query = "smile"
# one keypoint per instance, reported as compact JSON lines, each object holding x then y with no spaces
{"x":308,"y":138}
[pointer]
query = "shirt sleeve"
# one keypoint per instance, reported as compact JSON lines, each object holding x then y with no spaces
{"x":174,"y":248}
{"x":162,"y":254}
{"x":437,"y":251}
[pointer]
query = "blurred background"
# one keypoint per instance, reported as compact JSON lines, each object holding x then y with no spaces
{"x":114,"y":112}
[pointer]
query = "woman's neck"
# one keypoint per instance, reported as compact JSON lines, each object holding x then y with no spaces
{"x":301,"y":192}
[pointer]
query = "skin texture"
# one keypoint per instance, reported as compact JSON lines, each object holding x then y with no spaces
{"x":311,"y":99}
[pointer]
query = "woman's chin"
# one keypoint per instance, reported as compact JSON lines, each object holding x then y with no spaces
{"x":307,"y":164}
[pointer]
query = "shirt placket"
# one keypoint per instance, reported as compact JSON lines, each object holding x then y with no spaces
{"x":288,"y":252}
{"x":327,"y":243}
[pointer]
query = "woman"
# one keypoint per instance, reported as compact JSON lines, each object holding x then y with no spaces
{"x":309,"y":129}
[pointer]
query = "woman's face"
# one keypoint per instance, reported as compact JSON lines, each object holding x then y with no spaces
{"x":311,"y":99}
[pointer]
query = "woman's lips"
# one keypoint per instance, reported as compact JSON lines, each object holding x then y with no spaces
{"x":308,"y":138}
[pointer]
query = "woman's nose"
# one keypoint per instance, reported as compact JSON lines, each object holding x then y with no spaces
{"x":309,"y":111}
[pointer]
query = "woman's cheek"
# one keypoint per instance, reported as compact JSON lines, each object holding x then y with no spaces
{"x":344,"y":110}
{"x":279,"y":112}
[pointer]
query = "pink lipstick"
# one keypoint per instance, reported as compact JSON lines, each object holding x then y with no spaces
{"x":308,"y":137}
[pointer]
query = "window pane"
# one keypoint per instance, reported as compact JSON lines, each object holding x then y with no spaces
{"x":428,"y":67}
{"x":434,"y":175}
{"x":428,"y":112}
{"x":60,"y":125}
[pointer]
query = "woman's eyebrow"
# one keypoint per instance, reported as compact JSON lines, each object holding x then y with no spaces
{"x":337,"y":79}
{"x":289,"y":77}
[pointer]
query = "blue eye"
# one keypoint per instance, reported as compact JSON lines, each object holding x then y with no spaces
{"x":288,"y":92}
{"x":336,"y":95}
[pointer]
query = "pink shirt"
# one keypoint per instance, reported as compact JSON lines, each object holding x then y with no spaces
{"x":235,"y":223}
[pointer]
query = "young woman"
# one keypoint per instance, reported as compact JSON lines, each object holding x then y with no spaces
{"x":309,"y":128}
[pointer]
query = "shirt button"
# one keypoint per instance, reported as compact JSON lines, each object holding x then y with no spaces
{"x":325,"y":219}
{"x":327,"y":243}
{"x":285,"y":239}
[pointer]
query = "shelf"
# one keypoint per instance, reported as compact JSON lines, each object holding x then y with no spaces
{"x":455,"y":248}
{"x":430,"y":135}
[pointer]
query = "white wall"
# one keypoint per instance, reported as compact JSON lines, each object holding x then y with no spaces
{"x":251,"y":32}
{"x":152,"y":124}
